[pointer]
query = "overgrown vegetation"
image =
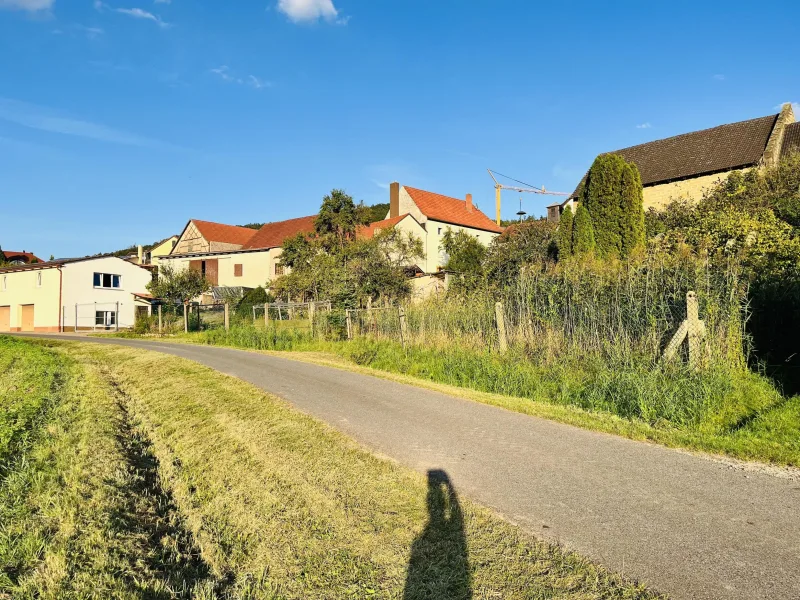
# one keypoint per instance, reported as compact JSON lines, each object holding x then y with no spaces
{"x":340,"y":264}
{"x":160,"y":478}
{"x":589,"y":332}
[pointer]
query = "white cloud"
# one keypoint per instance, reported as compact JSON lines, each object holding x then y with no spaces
{"x":309,"y":10}
{"x":224,"y":73}
{"x":138,"y":13}
{"x":30,"y":5}
{"x":644,"y":126}
{"x":44,"y":119}
{"x":719,"y":77}
{"x":162,"y":1}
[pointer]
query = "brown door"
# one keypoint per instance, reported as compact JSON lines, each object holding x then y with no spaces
{"x":212,"y":271}
{"x":27,"y":317}
{"x":5,"y":318}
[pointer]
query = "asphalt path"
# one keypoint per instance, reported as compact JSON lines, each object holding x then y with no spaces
{"x":690,"y":527}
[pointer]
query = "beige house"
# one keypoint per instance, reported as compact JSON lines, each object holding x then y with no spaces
{"x":87,"y":293}
{"x":435,"y":214}
{"x":685,"y":166}
{"x":159,"y":250}
{"x":254,"y":263}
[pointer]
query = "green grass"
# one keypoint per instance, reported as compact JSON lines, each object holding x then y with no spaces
{"x":721,"y":410}
{"x":161,"y":478}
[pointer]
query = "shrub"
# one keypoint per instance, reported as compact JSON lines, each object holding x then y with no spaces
{"x":583,"y":241}
{"x":565,"y":233}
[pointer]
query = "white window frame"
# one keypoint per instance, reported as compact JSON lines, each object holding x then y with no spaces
{"x":109,"y":318}
{"x":102,"y":277}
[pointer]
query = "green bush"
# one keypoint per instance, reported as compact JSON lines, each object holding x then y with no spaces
{"x":565,"y":233}
{"x":583,"y":241}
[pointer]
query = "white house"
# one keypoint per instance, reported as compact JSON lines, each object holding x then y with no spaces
{"x":87,"y":293}
{"x":436,"y":214}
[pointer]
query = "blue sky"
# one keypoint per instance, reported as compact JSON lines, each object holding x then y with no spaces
{"x":122,"y":119}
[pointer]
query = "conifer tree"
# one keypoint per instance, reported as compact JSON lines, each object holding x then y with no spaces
{"x":583,"y":240}
{"x":631,"y":194}
{"x":565,"y":233}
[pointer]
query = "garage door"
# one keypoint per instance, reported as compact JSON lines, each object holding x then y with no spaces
{"x":27,"y":317}
{"x":5,"y":318}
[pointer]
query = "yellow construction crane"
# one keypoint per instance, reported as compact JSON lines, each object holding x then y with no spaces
{"x":530,"y":189}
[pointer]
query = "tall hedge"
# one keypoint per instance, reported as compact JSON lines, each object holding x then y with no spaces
{"x":565,"y":233}
{"x":613,"y":196}
{"x":583,"y":238}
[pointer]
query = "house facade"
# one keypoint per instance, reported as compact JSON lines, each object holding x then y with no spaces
{"x":686,"y":166}
{"x":253,"y":264}
{"x":435,"y":214}
{"x":206,"y":236}
{"x":88,"y":293}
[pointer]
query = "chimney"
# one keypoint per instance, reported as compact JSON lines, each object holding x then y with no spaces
{"x":775,"y":143}
{"x":469,"y":202}
{"x":140,"y":254}
{"x":394,"y":200}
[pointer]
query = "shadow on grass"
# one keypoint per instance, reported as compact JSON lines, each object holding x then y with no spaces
{"x":439,"y":563}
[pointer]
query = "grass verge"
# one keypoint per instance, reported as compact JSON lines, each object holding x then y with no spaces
{"x":260,"y":501}
{"x":738,"y":414}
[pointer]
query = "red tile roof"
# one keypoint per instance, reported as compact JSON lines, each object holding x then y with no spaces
{"x":272,"y":235}
{"x":27,"y":257}
{"x":369,"y":231}
{"x":224,"y":234}
{"x":451,"y":210}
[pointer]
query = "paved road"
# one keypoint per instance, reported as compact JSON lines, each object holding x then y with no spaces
{"x":687,"y":526}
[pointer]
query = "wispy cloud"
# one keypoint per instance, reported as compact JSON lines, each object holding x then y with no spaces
{"x":311,"y":10}
{"x":136,"y":13}
{"x":29,"y":5}
{"x":224,"y":73}
{"x":46,"y":119}
{"x":644,"y":126}
{"x":162,"y":1}
{"x":719,"y":77}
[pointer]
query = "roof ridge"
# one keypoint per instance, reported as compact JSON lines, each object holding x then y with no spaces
{"x":707,"y":129}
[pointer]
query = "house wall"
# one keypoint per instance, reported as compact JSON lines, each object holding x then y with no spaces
{"x":658,"y":196}
{"x":78,"y":288}
{"x":435,"y":231}
{"x":191,"y":241}
{"x":157,"y":253}
{"x":22,"y":288}
{"x":258,"y":268}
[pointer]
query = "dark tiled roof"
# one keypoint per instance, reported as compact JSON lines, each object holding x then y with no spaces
{"x":272,"y":235}
{"x":714,"y":150}
{"x":791,"y":139}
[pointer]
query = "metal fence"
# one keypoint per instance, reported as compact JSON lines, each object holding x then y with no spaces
{"x":97,"y":316}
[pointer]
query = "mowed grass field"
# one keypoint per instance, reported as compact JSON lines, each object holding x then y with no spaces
{"x":130,"y":474}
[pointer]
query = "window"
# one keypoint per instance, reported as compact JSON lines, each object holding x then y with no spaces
{"x":105,"y":318}
{"x":279,"y":270}
{"x":107,"y":280}
{"x":440,"y":231}
{"x":237,"y":270}
{"x":39,"y":279}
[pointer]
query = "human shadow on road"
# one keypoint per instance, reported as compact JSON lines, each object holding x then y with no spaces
{"x":439,"y":564}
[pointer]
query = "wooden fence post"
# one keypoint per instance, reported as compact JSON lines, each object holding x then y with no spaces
{"x":227,"y":317}
{"x":501,"y":326}
{"x":159,"y":320}
{"x":693,"y":329}
{"x":116,"y":318}
{"x":403,"y":330}
{"x":349,"y":325}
